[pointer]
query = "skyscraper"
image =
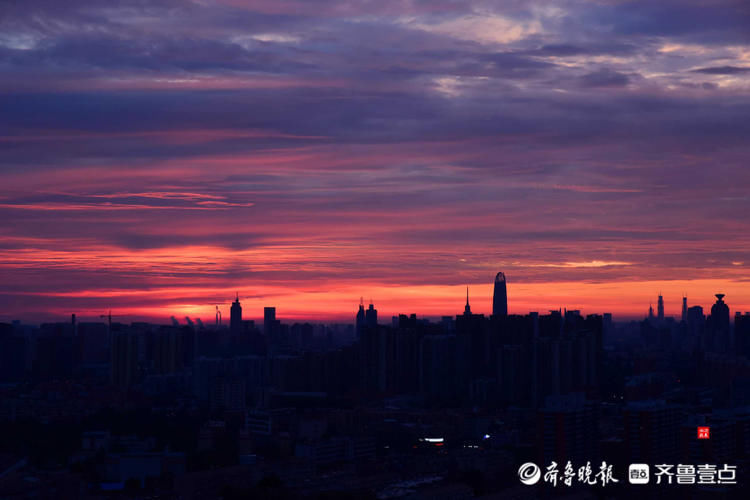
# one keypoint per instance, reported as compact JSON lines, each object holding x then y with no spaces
{"x":718,"y":324}
{"x":720,"y":313}
{"x":371,"y":316}
{"x":742,"y":333}
{"x":269,"y":320}
{"x":696,"y":323}
{"x":500,"y":296}
{"x":660,"y":309}
{"x":652,"y":430}
{"x":567,"y":428}
{"x":235,"y":317}
{"x":684,"y":309}
{"x":360,"y":318}
{"x":123,"y":363}
{"x":467,"y":307}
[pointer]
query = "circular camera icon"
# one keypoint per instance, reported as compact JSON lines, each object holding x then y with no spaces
{"x":529,"y":473}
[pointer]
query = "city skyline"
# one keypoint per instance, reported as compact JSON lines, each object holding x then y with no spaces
{"x":157,"y":157}
{"x":370,"y":249}
{"x":498,"y":307}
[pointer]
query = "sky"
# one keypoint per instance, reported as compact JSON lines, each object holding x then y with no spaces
{"x":157,"y":157}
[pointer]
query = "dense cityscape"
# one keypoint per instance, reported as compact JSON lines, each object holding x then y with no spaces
{"x":374,"y":249}
{"x":403,"y":408}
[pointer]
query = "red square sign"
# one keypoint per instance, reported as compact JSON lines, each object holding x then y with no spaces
{"x":703,"y":432}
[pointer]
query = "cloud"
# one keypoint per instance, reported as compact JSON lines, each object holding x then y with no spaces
{"x":178,"y":149}
{"x":605,"y":77}
{"x":588,"y":264}
{"x":121,"y":201}
{"x":715,"y":22}
{"x":722,"y":70}
{"x":588,"y":49}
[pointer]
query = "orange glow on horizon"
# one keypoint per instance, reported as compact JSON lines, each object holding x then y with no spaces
{"x":624,"y":300}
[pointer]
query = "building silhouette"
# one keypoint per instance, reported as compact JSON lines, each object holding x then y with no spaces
{"x":684,"y":309}
{"x":124,"y":358}
{"x":371,"y":316}
{"x":720,"y":313}
{"x":651,"y":430}
{"x":660,"y":309}
{"x":500,"y":296}
{"x":696,"y":325}
{"x":360,"y":321}
{"x":742,"y":334}
{"x":718,"y":324}
{"x":235,"y":317}
{"x":567,"y":429}
{"x":269,"y":320}
{"x":166,"y":349}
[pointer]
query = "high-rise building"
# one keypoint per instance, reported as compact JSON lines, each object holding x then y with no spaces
{"x":13,"y":354}
{"x":124,"y":359}
{"x":235,"y":317}
{"x":269,"y":320}
{"x":720,"y":313}
{"x":371,"y":316}
{"x":684,"y":309}
{"x":652,"y":430}
{"x":718,"y":324}
{"x":167,"y":349}
{"x":500,"y":296}
{"x":742,"y":333}
{"x":437,"y":366}
{"x":696,"y":325}
{"x":607,"y":325}
{"x":467,"y":307}
{"x":695,"y":316}
{"x":360,"y":318}
{"x":228,"y":394}
{"x":567,"y":429}
{"x":660,"y":309}
{"x":56,"y":351}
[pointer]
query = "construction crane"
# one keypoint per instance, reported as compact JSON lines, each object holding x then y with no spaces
{"x":109,"y":318}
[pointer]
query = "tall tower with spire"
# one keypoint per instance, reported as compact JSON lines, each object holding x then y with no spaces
{"x":235,"y":316}
{"x":360,"y":317}
{"x":684,"y":308}
{"x":467,"y":308}
{"x":500,"y":296}
{"x":660,"y":309}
